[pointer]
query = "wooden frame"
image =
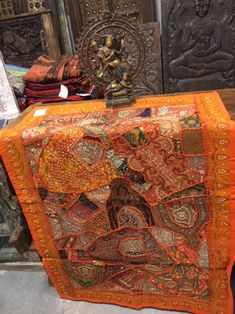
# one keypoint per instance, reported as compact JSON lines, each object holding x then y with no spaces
{"x":27,"y":36}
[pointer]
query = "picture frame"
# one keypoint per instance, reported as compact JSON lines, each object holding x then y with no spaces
{"x":25,"y":37}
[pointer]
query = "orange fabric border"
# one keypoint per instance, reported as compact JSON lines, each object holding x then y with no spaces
{"x":55,"y":271}
{"x":220,"y":141}
{"x":219,"y":184}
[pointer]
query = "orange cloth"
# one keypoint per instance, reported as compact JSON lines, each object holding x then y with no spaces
{"x":47,"y":70}
{"x":131,"y":206}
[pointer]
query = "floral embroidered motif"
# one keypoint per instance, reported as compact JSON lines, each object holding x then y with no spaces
{"x":184,"y":216}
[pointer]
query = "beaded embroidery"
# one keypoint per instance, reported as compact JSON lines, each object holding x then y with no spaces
{"x":131,"y":207}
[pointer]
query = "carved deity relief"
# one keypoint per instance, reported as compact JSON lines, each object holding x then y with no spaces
{"x":197,"y":37}
{"x":21,"y":39}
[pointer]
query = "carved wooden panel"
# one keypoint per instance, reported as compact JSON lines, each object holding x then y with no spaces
{"x":198,"y":44}
{"x":9,"y":205}
{"x":14,"y":7}
{"x":131,"y":8}
{"x":81,"y":12}
{"x":36,"y":5}
{"x":12,"y":215}
{"x":31,"y":6}
{"x":139,"y":9}
{"x":148,"y":10}
{"x":24,"y":38}
{"x":14,"y":231}
{"x":6,"y":8}
{"x":90,"y":9}
{"x":149,"y":81}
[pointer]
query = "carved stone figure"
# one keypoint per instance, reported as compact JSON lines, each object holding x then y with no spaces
{"x":198,"y":55}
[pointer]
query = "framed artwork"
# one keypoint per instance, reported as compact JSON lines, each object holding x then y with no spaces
{"x":8,"y":103}
{"x":25,"y":37}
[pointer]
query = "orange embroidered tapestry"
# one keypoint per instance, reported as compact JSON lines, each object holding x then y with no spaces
{"x":133,"y":206}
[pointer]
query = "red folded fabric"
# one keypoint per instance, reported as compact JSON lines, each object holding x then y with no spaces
{"x":48,"y":93}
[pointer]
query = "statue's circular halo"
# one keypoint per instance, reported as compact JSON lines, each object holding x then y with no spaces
{"x":93,"y":39}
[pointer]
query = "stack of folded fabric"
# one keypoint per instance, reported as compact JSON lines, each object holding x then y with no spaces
{"x":46,"y":78}
{"x":78,"y":89}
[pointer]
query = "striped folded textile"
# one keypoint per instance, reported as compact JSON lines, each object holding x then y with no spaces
{"x":78,"y":89}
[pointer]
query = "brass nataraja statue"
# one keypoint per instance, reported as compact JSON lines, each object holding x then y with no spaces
{"x":112,"y":54}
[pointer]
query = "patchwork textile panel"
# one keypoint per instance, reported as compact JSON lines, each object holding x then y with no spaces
{"x":132,"y":206}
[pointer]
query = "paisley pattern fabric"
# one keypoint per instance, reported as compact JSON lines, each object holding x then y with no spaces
{"x":131,"y":206}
